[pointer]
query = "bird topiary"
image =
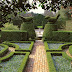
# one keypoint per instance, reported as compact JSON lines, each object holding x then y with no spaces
{"x":52,"y":20}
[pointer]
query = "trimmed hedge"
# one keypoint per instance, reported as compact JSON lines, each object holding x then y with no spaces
{"x":66,"y":56}
{"x":24,"y":62}
{"x":13,"y":35}
{"x":6,"y":58}
{"x":47,"y":35}
{"x":50,"y":63}
{"x":5,"y":50}
{"x":70,"y":50}
{"x":11,"y":45}
{"x":30,"y":29}
{"x":62,"y":36}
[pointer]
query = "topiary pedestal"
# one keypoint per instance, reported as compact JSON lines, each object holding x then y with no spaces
{"x":29,"y":28}
{"x":47,"y":35}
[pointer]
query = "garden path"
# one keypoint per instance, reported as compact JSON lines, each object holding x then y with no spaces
{"x":37,"y":59}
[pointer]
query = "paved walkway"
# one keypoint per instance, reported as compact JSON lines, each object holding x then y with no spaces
{"x":37,"y":59}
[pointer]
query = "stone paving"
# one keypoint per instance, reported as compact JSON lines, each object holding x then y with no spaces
{"x":37,"y":59}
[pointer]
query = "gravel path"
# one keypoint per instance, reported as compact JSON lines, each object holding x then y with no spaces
{"x":37,"y":59}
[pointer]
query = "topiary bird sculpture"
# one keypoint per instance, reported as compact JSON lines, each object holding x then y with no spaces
{"x":52,"y":20}
{"x":26,"y":19}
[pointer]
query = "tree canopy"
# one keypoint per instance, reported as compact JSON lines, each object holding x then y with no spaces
{"x":14,"y":6}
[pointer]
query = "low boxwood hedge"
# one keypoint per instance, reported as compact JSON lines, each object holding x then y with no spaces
{"x":5,"y":50}
{"x":11,"y":45}
{"x":50,"y":63}
{"x":6,"y":58}
{"x":70,"y":49}
{"x":24,"y":62}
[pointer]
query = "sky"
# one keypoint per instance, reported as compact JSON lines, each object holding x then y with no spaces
{"x":39,"y":10}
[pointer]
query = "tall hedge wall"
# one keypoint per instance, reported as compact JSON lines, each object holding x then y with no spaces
{"x":13,"y":35}
{"x":62,"y":36}
{"x":29,"y":28}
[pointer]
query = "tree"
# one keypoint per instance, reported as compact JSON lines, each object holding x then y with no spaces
{"x":7,"y":7}
{"x":39,"y":20}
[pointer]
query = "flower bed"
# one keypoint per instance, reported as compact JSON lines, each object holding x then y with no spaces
{"x":23,"y":45}
{"x":54,"y":45}
{"x":13,"y":64}
{"x":62,"y":64}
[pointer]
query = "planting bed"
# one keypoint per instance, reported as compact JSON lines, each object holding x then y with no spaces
{"x":23,"y":45}
{"x":61,"y":64}
{"x":54,"y":45}
{"x":1,"y":48}
{"x":16,"y":63}
{"x":13,"y":64}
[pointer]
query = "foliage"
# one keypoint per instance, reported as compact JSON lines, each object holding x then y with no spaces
{"x":8,"y":7}
{"x":39,"y":20}
{"x":10,"y":26}
{"x":13,"y":64}
{"x":61,"y":64}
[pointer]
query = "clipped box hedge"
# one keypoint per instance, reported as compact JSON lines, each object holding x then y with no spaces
{"x":13,"y":35}
{"x":70,"y":49}
{"x":50,"y":63}
{"x":5,"y":50}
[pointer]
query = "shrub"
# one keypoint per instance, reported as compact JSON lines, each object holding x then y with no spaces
{"x":10,"y":26}
{"x":29,"y":28}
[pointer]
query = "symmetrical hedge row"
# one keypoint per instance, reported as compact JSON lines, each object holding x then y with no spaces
{"x":13,"y":35}
{"x":56,"y":52}
{"x":17,"y":52}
